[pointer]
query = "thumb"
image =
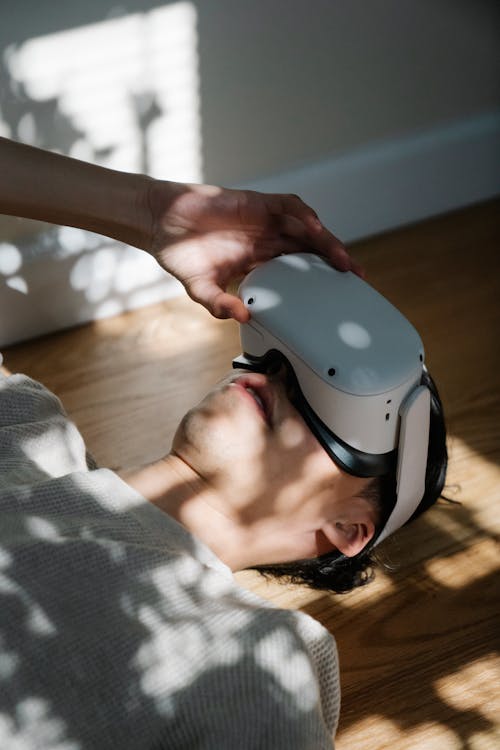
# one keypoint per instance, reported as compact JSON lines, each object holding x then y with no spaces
{"x":218,"y":302}
{"x":237,"y":309}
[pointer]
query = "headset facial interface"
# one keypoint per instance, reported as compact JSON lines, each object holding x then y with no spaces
{"x":357,"y":365}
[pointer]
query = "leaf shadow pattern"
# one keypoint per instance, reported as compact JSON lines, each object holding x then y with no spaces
{"x":63,"y":263}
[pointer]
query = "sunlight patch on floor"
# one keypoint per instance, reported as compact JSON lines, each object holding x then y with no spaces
{"x":427,"y":736}
{"x":476,"y":688}
{"x":466,"y":566}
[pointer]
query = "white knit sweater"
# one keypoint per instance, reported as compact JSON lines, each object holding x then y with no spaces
{"x":119,"y":630}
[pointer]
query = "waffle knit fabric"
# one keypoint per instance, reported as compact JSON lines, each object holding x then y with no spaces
{"x":119,"y":630}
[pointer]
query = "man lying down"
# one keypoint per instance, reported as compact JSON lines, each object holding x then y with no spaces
{"x":121,"y":624}
{"x":124,"y":627}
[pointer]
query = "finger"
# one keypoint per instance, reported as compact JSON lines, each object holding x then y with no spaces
{"x":218,"y":302}
{"x":300,"y":221}
{"x":235,"y":308}
{"x":290,"y":226}
{"x":325,"y":243}
{"x":293,"y":205}
{"x":333,"y":249}
{"x":270,"y":248}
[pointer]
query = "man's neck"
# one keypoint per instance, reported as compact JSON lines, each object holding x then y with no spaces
{"x":175,"y":488}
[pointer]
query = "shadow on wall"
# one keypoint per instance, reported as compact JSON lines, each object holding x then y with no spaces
{"x":123,"y":93}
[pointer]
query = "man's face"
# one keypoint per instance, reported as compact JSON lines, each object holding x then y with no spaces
{"x":254,"y":450}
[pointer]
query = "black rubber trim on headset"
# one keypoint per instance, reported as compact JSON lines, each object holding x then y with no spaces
{"x":351,"y":460}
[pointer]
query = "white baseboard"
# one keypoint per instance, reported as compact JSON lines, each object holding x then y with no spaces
{"x":65,"y":277}
{"x":389,"y":184}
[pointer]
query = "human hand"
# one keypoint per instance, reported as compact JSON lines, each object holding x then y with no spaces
{"x":205,"y":236}
{"x":208,"y":237}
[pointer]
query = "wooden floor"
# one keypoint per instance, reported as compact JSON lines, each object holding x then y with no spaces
{"x":419,"y":646}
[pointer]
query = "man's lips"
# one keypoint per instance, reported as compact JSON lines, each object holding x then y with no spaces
{"x":258,"y":390}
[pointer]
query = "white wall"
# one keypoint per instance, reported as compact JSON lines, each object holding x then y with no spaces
{"x":378,"y":112}
{"x":288,"y":82}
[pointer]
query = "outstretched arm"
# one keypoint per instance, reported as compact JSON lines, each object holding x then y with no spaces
{"x":42,"y":185}
{"x":205,"y":236}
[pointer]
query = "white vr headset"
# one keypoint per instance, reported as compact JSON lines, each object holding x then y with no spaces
{"x":358,"y":365}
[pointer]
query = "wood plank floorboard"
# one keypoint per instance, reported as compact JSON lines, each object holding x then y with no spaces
{"x":418,"y":646}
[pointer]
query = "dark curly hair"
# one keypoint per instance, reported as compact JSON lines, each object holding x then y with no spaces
{"x":334,"y":571}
